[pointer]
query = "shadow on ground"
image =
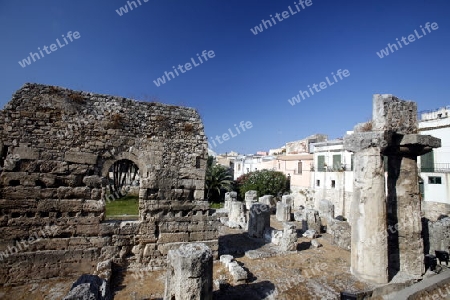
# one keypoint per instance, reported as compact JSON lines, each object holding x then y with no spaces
{"x":253,"y":291}
{"x":237,"y":244}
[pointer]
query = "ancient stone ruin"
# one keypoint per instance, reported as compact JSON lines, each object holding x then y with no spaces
{"x":189,"y":273}
{"x":386,"y":214}
{"x":57,"y":147}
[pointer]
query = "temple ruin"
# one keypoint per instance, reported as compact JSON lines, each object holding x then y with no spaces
{"x":57,"y":150}
{"x":386,"y":211}
{"x":57,"y":146}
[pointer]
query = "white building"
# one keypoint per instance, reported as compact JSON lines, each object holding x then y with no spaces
{"x":244,"y":164}
{"x":332,"y":178}
{"x":434,"y":167}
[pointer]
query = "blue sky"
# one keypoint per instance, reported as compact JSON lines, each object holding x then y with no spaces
{"x":251,"y":77}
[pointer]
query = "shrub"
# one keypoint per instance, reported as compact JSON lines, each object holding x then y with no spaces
{"x":77,"y":98}
{"x":116,"y":121}
{"x":188,"y":127}
{"x":265,"y":182}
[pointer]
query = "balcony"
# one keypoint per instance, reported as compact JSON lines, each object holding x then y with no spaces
{"x":437,"y":168}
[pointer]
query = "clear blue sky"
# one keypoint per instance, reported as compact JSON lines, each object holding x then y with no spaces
{"x":251,"y":76}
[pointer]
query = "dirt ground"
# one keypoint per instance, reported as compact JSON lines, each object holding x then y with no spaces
{"x":316,"y":273}
{"x":51,"y":289}
{"x":319,"y":273}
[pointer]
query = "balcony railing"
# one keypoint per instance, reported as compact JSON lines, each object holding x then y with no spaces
{"x":336,"y":168}
{"x":437,"y":168}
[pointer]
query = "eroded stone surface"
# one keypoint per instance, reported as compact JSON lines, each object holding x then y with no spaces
{"x":189,"y":273}
{"x":57,"y":148}
{"x":390,"y":219}
{"x":259,"y":220}
{"x":283,"y":213}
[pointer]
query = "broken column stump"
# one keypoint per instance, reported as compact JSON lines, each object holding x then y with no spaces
{"x":259,"y":220}
{"x":283,"y":213}
{"x":250,"y":198}
{"x":189,"y":273}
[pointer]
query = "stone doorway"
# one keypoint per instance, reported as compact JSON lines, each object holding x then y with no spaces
{"x":122,"y":191}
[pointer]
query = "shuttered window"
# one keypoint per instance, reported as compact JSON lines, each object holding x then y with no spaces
{"x":427,"y":162}
{"x":336,"y":161}
{"x":320,"y":163}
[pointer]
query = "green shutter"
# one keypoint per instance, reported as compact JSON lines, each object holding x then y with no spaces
{"x":427,"y":162}
{"x":320,"y":163}
{"x":336,"y":161}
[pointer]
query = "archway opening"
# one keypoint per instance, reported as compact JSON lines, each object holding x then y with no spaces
{"x":122,"y":191}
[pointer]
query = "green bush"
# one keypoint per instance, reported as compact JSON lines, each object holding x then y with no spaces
{"x":265,"y":182}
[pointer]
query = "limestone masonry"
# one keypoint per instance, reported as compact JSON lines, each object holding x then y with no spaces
{"x":56,"y":149}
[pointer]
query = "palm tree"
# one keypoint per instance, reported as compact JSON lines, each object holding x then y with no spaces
{"x":217,"y":177}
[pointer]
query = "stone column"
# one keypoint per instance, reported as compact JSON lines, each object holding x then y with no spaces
{"x":229,"y":198}
{"x":289,"y":238}
{"x":312,"y":220}
{"x":408,"y":215}
{"x":288,"y":200}
{"x":369,"y":259}
{"x":283,"y":213}
{"x":237,"y":214}
{"x":250,"y":198}
{"x":386,"y":231}
{"x":259,"y":220}
{"x":189,"y":273}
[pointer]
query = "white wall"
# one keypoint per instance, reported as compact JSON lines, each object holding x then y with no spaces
{"x":437,"y":192}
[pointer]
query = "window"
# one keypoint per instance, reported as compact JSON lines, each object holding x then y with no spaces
{"x":239,"y":167}
{"x":352,"y":160}
{"x":320,"y":163}
{"x":427,"y":162}
{"x":434,"y":180}
{"x":299,"y":167}
{"x":336,"y":161}
{"x":318,"y":182}
{"x":248,"y":170}
{"x":333,"y":184}
{"x":197,"y":162}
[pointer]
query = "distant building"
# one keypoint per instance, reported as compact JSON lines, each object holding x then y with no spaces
{"x":296,"y":166}
{"x":302,"y":146}
{"x":278,"y":151}
{"x":332,"y":178}
{"x":246,"y":163}
{"x":434,"y":166}
{"x":227,"y":159}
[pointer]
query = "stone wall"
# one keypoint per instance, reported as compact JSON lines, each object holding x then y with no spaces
{"x":56,"y":148}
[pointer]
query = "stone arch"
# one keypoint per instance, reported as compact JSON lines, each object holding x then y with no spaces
{"x":124,"y":155}
{"x":55,"y":178}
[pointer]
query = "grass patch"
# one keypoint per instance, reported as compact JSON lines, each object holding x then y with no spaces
{"x":127,"y":205}
{"x":216,"y":205}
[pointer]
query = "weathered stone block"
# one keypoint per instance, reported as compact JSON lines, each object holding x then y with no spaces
{"x":341,"y":233}
{"x":259,"y":220}
{"x":283,"y":213}
{"x":53,"y":167}
{"x":94,"y":181}
{"x":326,"y":211}
{"x":26,"y":153}
{"x":173,"y":237}
{"x":189,"y":274}
{"x":288,"y":240}
{"x":394,"y":115}
{"x":203,"y":236}
{"x":81,"y":158}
